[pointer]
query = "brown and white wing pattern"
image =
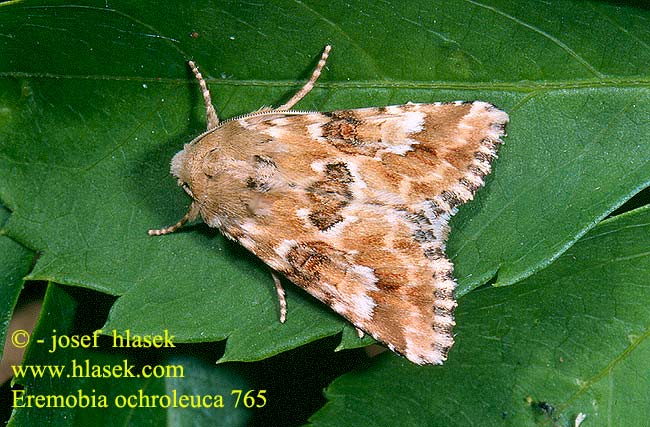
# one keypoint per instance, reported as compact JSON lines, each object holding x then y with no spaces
{"x":365,"y":197}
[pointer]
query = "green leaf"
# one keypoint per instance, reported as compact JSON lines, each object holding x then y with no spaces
{"x":571,"y":339}
{"x":85,"y":379}
{"x":95,"y":99}
{"x":15,"y":261}
{"x":581,"y":159}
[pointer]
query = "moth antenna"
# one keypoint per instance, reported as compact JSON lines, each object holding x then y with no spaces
{"x":281,"y":297}
{"x":310,"y":83}
{"x":210,"y":113}
{"x":189,"y":216}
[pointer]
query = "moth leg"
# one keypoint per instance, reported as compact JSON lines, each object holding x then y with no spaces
{"x":191,"y":214}
{"x":310,"y":84}
{"x":281,"y":297}
{"x":210,"y":113}
{"x":359,"y":332}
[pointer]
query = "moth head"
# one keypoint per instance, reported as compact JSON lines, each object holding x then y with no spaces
{"x":180,"y":169}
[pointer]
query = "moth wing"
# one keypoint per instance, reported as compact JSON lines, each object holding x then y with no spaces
{"x":379,"y":278}
{"x":401,"y":154}
{"x":353,"y":207}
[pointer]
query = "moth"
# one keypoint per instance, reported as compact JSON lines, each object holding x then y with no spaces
{"x":350,"y":205}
